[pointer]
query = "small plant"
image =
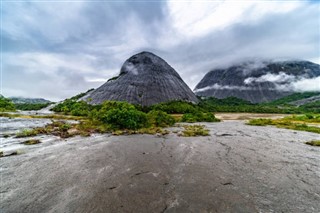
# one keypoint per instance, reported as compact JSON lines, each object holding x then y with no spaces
{"x":31,"y":142}
{"x":27,"y":133}
{"x":313,"y":143}
{"x":194,"y":130}
{"x":1,"y":154}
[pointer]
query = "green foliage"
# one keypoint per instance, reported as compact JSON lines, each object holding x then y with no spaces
{"x":260,"y":122}
{"x":178,"y":107}
{"x":6,"y":105}
{"x":77,"y":97}
{"x":125,"y":119}
{"x":293,"y":97}
{"x":310,"y":107}
{"x":199,"y":117}
{"x":232,"y":104}
{"x":310,"y":118}
{"x":120,"y":115}
{"x":292,"y":122}
{"x":29,"y":106}
{"x":160,"y":119}
{"x":73,"y":107}
{"x":194,"y":130}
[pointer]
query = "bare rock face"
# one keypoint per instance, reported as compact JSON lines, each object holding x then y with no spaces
{"x":260,"y":81}
{"x":144,"y":79}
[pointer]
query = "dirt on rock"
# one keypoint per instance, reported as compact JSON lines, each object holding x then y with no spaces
{"x":238,"y":168}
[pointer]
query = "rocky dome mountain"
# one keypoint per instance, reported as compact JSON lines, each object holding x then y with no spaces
{"x":260,"y":81}
{"x":144,"y":79}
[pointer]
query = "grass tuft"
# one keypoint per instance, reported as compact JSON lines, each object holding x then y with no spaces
{"x":313,"y":143}
{"x":27,"y":133}
{"x":291,"y":122}
{"x":194,"y":130}
{"x":31,"y":142}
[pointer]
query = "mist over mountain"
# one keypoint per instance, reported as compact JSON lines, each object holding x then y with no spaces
{"x":260,"y":81}
{"x":144,"y":79}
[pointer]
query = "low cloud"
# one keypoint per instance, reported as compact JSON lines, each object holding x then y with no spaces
{"x":302,"y":85}
{"x":270,"y":77}
{"x":285,"y":82}
{"x":223,"y":87}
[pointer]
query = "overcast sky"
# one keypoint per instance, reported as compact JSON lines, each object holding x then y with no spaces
{"x":56,"y":49}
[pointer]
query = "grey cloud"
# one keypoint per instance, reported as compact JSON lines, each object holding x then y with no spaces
{"x":107,"y":33}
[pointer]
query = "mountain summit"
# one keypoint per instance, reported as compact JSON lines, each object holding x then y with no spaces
{"x":261,"y":81}
{"x":144,"y":79}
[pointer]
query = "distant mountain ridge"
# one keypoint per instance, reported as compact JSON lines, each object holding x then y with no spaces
{"x":262,"y":81}
{"x":22,"y":100}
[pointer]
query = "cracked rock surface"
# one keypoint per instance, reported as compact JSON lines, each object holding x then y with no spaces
{"x":237,"y":168}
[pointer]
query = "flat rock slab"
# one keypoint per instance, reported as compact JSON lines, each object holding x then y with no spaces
{"x":238,"y":168}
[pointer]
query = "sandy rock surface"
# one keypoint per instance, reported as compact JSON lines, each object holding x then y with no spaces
{"x":238,"y":168}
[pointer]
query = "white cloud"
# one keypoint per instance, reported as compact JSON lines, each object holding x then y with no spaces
{"x":81,"y":43}
{"x":270,"y":77}
{"x":198,"y":18}
{"x":49,"y":63}
{"x":302,"y":85}
{"x":223,"y":87}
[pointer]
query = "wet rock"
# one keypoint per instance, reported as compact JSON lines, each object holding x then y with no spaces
{"x":144,"y":79}
{"x":256,"y":81}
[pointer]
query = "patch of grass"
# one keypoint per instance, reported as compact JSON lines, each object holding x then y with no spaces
{"x":27,"y":133}
{"x":290,"y":122}
{"x":57,"y":128}
{"x":1,"y":154}
{"x":310,"y":118}
{"x":153,"y":131}
{"x":31,"y":142}
{"x":313,"y":143}
{"x":150,"y":131}
{"x":260,"y":122}
{"x":194,"y":130}
{"x":9,"y":115}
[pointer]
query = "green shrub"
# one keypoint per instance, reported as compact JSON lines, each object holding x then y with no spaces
{"x":177,"y":107}
{"x":160,"y":119}
{"x":199,"y":117}
{"x":126,"y":118}
{"x":6,"y":105}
